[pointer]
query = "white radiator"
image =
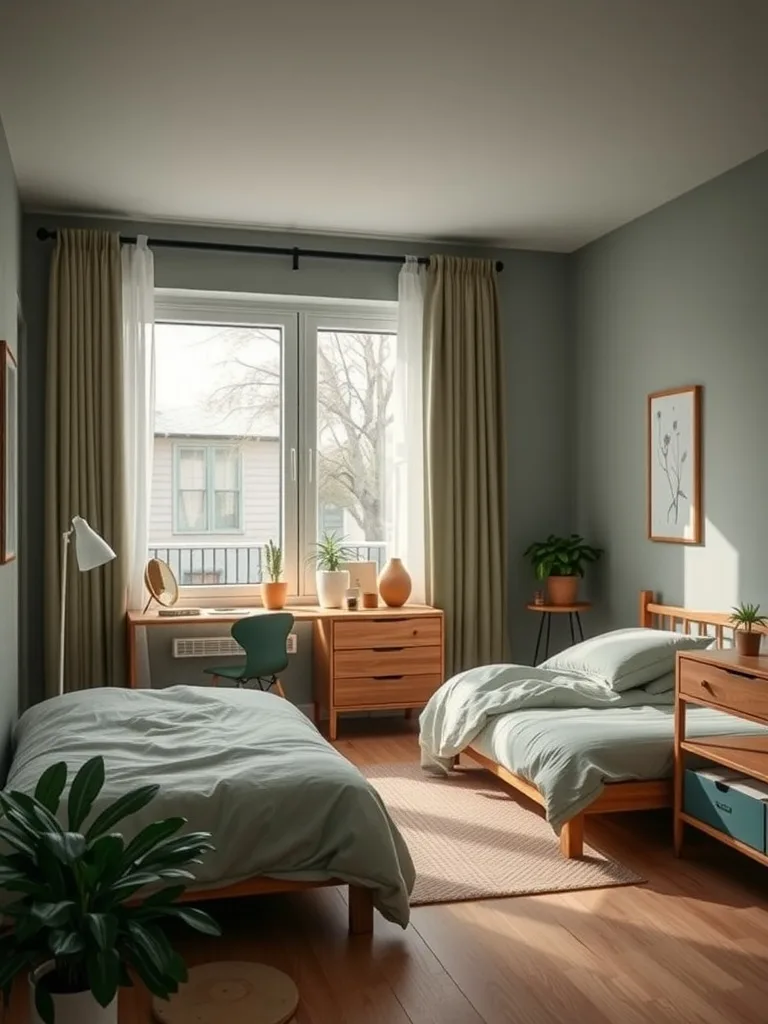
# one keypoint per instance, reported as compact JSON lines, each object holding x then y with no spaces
{"x":216,"y":647}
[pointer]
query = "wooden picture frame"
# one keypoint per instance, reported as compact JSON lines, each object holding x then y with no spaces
{"x":9,"y":454}
{"x":673,"y":484}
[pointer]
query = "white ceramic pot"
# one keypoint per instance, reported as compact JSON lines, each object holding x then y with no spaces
{"x":331,"y":587}
{"x":74,"y":1008}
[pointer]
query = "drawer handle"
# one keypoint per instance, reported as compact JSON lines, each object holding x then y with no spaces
{"x":387,"y":677}
{"x":705,"y":684}
{"x":384,"y":650}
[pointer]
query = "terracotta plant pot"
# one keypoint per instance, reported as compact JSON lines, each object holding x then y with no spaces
{"x":748,"y":643}
{"x":563,"y":589}
{"x":72,"y":1008}
{"x":273,"y":595}
{"x":394,"y":583}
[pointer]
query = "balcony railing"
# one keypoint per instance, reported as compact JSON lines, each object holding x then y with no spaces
{"x":206,"y":565}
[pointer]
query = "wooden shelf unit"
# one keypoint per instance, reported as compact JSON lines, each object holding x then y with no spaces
{"x":738,"y":686}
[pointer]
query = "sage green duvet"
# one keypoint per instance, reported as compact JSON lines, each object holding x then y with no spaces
{"x":246,"y":766}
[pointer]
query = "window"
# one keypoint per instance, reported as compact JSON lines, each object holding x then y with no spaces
{"x":273,"y":422}
{"x":207,"y":489}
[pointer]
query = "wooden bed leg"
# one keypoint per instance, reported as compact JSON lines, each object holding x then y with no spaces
{"x":572,"y":837}
{"x":360,"y":910}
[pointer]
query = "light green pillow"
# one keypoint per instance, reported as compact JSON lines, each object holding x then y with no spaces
{"x":625,"y":658}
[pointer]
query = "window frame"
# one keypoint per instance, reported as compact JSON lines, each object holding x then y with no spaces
{"x":209,"y":447}
{"x":299,"y":318}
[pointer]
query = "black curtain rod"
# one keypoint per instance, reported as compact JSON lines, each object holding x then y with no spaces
{"x":262,"y":250}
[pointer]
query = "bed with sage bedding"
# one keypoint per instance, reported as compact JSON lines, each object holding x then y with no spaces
{"x":246,"y":766}
{"x":599,"y":712}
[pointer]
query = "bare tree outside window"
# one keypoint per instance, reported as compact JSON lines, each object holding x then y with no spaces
{"x":354,"y":405}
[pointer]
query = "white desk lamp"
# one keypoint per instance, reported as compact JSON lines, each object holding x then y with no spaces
{"x":91,"y":551}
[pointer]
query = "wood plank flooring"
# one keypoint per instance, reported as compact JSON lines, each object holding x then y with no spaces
{"x":690,"y":946}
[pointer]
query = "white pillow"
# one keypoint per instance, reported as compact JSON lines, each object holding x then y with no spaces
{"x":625,"y":658}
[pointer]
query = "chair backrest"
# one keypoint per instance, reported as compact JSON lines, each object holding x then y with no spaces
{"x":263,"y":637}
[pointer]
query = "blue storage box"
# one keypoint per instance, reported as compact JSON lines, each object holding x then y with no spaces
{"x":729,"y":802}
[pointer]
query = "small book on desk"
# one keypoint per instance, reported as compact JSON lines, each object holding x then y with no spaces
{"x":178,"y":613}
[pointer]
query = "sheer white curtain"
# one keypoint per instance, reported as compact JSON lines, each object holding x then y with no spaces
{"x":409,"y":532}
{"x":139,"y":416}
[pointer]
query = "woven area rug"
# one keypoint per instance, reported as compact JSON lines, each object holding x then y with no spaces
{"x":471,"y":840}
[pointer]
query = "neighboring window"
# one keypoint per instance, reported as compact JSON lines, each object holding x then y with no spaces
{"x":207,"y":489}
{"x":273,"y":422}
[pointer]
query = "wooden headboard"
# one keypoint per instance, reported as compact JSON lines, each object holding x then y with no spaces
{"x":666,"y":616}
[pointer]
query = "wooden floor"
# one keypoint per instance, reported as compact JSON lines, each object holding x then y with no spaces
{"x":690,"y":946}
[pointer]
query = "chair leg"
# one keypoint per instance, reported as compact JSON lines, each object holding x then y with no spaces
{"x":214,"y":680}
{"x":279,"y":689}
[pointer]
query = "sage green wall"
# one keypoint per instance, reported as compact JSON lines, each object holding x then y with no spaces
{"x":678,"y":297}
{"x":533,"y":290}
{"x":9,"y":573}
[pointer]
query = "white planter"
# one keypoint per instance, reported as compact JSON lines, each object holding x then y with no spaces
{"x":331,"y":587}
{"x":77,"y":1008}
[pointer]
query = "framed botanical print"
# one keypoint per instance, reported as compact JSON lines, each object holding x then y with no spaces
{"x":674,"y":465}
{"x":9,"y":454}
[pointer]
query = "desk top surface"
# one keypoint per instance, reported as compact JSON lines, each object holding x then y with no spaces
{"x":299,"y":612}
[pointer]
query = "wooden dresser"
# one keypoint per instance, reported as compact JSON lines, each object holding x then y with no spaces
{"x":728,"y":682}
{"x":377,"y":658}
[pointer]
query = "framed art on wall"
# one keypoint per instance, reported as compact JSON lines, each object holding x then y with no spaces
{"x":9,"y":454}
{"x":674,"y":465}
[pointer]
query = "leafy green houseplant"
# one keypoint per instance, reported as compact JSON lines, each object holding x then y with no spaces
{"x":746,"y":620}
{"x":274,"y":590}
{"x":331,"y":580}
{"x":561,"y":561}
{"x":77,"y":919}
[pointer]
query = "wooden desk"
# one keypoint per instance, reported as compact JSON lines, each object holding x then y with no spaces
{"x":370,"y":659}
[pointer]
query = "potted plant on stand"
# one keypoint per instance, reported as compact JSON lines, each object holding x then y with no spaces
{"x":561,"y":561}
{"x":744,"y":619}
{"x":274,"y":590}
{"x":77,"y":921}
{"x":331,"y":580}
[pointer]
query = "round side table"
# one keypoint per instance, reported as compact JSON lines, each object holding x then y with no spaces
{"x":547,"y":611}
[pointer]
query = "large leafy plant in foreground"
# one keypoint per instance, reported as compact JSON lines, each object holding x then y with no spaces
{"x":76,"y":890}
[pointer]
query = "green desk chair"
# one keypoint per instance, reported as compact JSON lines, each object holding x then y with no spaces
{"x":264,"y":639}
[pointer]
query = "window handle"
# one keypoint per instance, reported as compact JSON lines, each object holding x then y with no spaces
{"x":310,"y":464}
{"x":293,"y":465}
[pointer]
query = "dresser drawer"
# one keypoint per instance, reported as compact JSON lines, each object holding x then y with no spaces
{"x":382,"y":690}
{"x":417,"y":631}
{"x":403,"y":661}
{"x":727,"y":690}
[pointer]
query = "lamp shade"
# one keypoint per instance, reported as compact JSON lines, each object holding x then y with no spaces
{"x":91,"y":550}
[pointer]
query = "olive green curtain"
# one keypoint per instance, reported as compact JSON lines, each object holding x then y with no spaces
{"x":465,"y":460}
{"x":84,"y":473}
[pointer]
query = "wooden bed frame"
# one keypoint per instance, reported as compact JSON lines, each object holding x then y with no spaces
{"x":621,"y":796}
{"x":360,"y":898}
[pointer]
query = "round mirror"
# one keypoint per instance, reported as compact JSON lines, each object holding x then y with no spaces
{"x":161,"y":582}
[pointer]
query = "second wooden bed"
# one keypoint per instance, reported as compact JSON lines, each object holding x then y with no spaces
{"x":621,"y":796}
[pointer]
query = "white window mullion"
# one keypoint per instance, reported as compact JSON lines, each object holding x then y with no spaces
{"x":290,"y":454}
{"x":308,"y":446}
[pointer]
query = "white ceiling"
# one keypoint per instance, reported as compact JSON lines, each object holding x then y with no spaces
{"x":541,"y":123}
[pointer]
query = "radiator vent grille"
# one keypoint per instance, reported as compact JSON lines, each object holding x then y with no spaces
{"x":216,"y":647}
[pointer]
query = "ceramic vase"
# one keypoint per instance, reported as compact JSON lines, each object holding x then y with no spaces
{"x":331,"y":588}
{"x":394,"y":583}
{"x":70,"y":1008}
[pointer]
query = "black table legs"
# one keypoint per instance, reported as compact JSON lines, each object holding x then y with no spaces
{"x":574,"y":623}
